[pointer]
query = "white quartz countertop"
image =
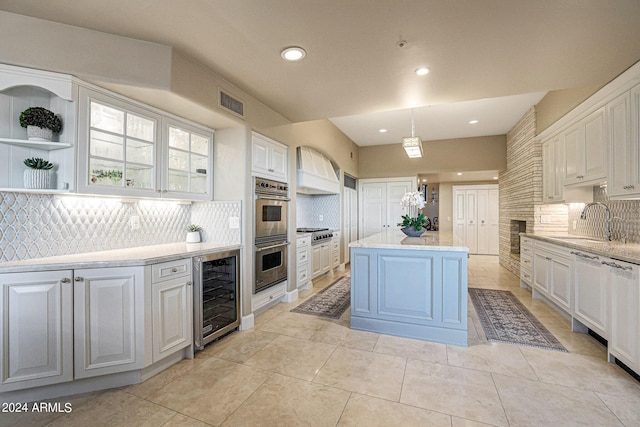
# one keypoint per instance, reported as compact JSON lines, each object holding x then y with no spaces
{"x":142,"y":255}
{"x":629,"y":252}
{"x":395,"y":239}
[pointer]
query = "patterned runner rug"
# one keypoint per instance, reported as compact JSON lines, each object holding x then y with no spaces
{"x":330,"y":302}
{"x":505,"y":319}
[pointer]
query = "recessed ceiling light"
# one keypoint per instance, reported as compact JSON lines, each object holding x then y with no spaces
{"x":495,"y":177}
{"x":459,"y":173}
{"x":382,"y":130}
{"x":293,"y":53}
{"x":424,"y":180}
{"x":422,"y":71}
{"x":473,"y":122}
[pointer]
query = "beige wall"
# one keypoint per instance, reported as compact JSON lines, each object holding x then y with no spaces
{"x":557,"y":103}
{"x":465,"y":154}
{"x":155,"y":74}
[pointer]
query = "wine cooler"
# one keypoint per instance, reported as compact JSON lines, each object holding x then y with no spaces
{"x":216,"y":296}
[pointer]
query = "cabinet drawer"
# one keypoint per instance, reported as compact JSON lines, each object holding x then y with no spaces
{"x":303,"y":274}
{"x":273,"y":293}
{"x":526,"y":263}
{"x":304,"y":241}
{"x":303,"y":255}
{"x":526,"y":276}
{"x":170,"y":269}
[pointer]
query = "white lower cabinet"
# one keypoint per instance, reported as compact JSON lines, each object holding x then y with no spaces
{"x":109,"y":322}
{"x":172,"y":307}
{"x":36,"y":321}
{"x":320,"y":259}
{"x":335,"y":249}
{"x":591,"y":292}
{"x":624,"y":339}
{"x":526,"y":261}
{"x":303,"y":270}
{"x":552,"y":274}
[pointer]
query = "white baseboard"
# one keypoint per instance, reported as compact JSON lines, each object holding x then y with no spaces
{"x":290,"y":296}
{"x":246,"y":322}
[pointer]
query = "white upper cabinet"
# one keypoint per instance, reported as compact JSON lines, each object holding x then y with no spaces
{"x":21,"y":88}
{"x":187,"y":161}
{"x":586,"y":151}
{"x":137,"y":152}
{"x":119,"y":144}
{"x":553,"y":170}
{"x":268,"y":158}
{"x":624,"y":133}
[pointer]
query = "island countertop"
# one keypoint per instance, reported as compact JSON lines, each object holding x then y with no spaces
{"x":395,"y":239}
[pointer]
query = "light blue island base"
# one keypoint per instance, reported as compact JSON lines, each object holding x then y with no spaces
{"x":409,"y":287}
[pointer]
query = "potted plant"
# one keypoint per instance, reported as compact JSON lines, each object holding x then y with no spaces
{"x":41,"y":123}
{"x":38,"y":174}
{"x":413,"y":223}
{"x":193,"y":234}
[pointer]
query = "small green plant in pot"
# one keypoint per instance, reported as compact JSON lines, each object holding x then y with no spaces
{"x":193,"y":233}
{"x":41,"y":123}
{"x":38,"y":173}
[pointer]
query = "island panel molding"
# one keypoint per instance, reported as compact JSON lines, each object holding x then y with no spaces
{"x":412,"y":287}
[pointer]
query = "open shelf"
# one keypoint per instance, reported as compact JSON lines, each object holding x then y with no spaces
{"x":40,"y":145}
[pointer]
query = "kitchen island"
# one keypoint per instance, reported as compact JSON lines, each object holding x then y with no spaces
{"x":413,"y":287}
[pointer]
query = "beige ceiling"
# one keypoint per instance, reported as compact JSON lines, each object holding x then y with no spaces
{"x":478,"y":50}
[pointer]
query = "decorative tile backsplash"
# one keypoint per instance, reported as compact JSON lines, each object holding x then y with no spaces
{"x":310,"y":208}
{"x":625,"y":216}
{"x":41,"y":225}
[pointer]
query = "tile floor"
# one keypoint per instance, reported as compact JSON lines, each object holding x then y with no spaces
{"x":293,"y":370}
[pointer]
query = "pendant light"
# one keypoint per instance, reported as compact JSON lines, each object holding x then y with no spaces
{"x":413,"y":144}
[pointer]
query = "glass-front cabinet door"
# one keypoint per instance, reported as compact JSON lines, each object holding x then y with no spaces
{"x":188,"y":161}
{"x":120,"y":152}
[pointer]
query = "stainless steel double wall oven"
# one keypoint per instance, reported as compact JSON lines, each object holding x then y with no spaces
{"x":271,"y":207}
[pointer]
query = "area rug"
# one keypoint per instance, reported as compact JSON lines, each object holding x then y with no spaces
{"x":330,"y":302}
{"x":506,"y":320}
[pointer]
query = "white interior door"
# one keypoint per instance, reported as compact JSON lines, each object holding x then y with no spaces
{"x":482,"y":221}
{"x":395,"y":191}
{"x":493,"y":219}
{"x":374,"y":205}
{"x":459,"y":218}
{"x":471,"y":201}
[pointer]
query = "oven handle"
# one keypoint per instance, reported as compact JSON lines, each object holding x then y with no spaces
{"x":280,"y":199}
{"x":272,"y":246}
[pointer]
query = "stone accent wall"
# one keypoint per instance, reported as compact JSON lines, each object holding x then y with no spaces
{"x":521,"y":190}
{"x":518,"y":185}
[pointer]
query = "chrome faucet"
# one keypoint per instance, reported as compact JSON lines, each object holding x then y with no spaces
{"x":607,"y":218}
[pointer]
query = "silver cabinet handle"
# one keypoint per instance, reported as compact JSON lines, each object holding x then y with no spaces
{"x":65,"y":280}
{"x":547,"y":258}
{"x":621,"y":267}
{"x":629,"y":187}
{"x":585,"y":256}
{"x":174,"y":270}
{"x":79,"y":279}
{"x":189,"y":283}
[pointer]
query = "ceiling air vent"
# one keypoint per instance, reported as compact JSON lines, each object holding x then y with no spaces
{"x":231,"y":104}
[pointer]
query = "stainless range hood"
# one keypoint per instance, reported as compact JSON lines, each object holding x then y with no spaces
{"x":316,"y":174}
